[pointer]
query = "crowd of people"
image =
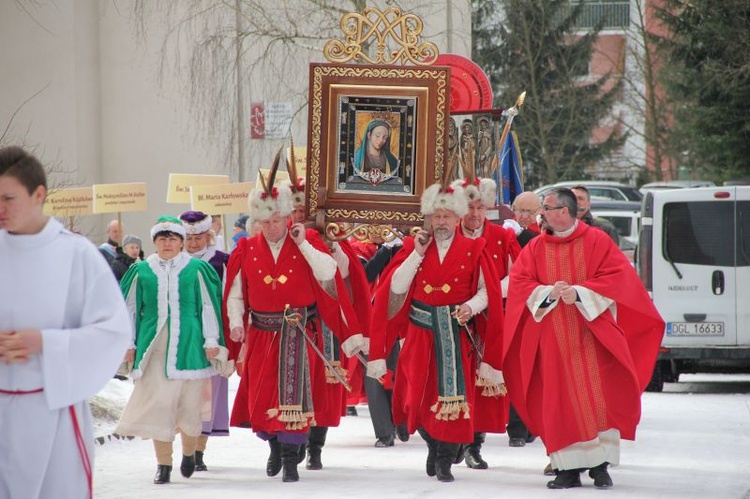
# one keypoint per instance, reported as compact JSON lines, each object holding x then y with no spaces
{"x":536,"y":326}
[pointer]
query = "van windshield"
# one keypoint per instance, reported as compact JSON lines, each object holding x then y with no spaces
{"x":700,"y":233}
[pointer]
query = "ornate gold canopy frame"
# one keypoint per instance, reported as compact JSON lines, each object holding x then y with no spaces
{"x":394,"y":81}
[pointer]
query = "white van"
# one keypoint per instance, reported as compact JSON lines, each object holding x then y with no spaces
{"x":694,"y":258}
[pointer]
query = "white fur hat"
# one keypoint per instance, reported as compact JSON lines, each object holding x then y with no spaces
{"x":451,"y":198}
{"x":168,"y":224}
{"x":261,"y":205}
{"x":297,"y":190}
{"x":478,"y":188}
{"x":196,"y":222}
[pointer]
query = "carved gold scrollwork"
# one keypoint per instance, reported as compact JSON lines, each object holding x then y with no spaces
{"x":337,"y":231}
{"x":360,"y":30}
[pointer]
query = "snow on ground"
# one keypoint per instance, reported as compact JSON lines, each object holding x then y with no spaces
{"x":693,"y":442}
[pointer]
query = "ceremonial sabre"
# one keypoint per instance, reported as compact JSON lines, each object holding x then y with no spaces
{"x":472,"y":340}
{"x":293,"y":319}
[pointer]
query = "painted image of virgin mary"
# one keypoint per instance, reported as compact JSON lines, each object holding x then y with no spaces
{"x":374,"y":153}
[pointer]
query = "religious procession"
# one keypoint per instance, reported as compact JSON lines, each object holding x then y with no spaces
{"x":394,"y":262}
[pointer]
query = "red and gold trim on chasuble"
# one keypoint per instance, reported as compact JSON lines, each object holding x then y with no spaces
{"x":575,"y":341}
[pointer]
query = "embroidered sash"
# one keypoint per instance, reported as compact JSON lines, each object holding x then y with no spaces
{"x":446,"y":335}
{"x":295,"y":403}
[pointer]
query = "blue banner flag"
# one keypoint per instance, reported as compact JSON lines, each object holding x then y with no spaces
{"x":509,"y":177}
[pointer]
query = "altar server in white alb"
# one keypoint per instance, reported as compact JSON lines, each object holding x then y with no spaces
{"x":63,"y":331}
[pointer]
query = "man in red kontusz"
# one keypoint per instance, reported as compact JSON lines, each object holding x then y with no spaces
{"x":281,"y":285}
{"x":502,"y":248}
{"x":440,"y":293}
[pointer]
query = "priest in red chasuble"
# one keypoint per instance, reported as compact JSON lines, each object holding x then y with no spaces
{"x":282,"y":284}
{"x":441,"y":295}
{"x":581,"y":339}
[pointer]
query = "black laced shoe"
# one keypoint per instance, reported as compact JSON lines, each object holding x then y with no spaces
{"x":517,"y":442}
{"x":601,"y":477}
{"x":163,"y":474}
{"x":565,"y":479}
{"x":199,"y":464}
{"x":187,"y":467}
{"x":385,"y":441}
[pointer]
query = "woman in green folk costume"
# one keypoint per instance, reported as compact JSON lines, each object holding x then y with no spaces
{"x":174,"y":301}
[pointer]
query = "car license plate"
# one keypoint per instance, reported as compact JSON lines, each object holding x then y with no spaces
{"x":695,"y":329}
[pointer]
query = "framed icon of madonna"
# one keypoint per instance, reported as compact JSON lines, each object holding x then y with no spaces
{"x":376,"y":140}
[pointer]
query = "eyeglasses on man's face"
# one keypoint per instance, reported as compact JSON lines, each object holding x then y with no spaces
{"x":525,"y":212}
{"x":551,"y":208}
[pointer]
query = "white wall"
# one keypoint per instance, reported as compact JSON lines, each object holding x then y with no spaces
{"x":108,"y":114}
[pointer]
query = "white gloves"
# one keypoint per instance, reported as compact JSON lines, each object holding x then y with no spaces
{"x":512,"y":224}
{"x":376,"y":368}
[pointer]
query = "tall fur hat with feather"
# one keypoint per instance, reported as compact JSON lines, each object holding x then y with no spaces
{"x":445,"y":196}
{"x":296,"y":184}
{"x":268,"y":198}
{"x":474,"y":187}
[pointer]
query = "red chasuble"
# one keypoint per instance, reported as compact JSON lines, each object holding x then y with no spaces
{"x":453,"y":282}
{"x":269,"y":286}
{"x":569,"y":378}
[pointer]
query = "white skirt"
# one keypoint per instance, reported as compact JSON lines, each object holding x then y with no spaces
{"x":159,"y":408}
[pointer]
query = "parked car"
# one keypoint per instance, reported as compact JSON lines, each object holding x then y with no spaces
{"x":694,"y":259}
{"x":624,"y":215}
{"x":675,"y":184}
{"x":609,"y":190}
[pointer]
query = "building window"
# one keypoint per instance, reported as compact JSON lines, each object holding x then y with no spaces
{"x":614,"y":14}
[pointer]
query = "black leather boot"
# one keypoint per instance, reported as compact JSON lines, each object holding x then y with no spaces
{"x":187,"y":467}
{"x":199,"y":464}
{"x":163,"y":474}
{"x":316,"y":439}
{"x":402,"y":432}
{"x":472,"y":453}
{"x":565,"y":479}
{"x":601,"y":477}
{"x":431,"y":451}
{"x":289,"y":456}
{"x":446,"y":455}
{"x":273,"y":466}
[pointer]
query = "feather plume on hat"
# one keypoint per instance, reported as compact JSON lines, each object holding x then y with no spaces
{"x":268,"y":199}
{"x":295,"y":183}
{"x":476,"y":188}
{"x":445,"y":196}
